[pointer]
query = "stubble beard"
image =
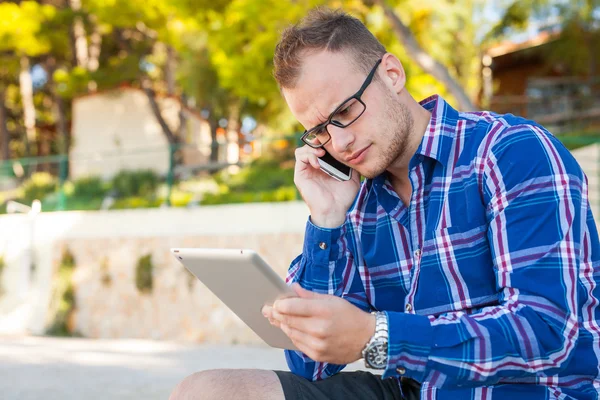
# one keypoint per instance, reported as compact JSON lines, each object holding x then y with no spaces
{"x":394,"y":137}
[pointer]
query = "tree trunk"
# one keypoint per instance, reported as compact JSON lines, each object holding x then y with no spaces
{"x":58,"y":107}
{"x":80,"y":45}
{"x":95,"y":45}
{"x":181,"y":130}
{"x":94,"y":51}
{"x":424,"y":60}
{"x":147,"y":86}
{"x":26,"y":86}
{"x":170,"y":70}
{"x":233,"y":130}
{"x":214,"y":143}
{"x":170,"y":66}
{"x":4,"y":136}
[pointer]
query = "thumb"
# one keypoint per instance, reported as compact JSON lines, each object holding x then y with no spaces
{"x":306,"y":294}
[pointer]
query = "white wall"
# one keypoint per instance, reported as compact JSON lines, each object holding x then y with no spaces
{"x":121,"y":237}
{"x":117,"y":130}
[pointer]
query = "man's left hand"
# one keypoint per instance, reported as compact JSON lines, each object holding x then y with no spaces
{"x":326,"y":328}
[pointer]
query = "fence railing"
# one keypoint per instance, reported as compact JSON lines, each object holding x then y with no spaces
{"x":176,"y":164}
{"x":169,"y":163}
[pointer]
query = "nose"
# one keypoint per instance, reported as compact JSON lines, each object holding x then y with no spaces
{"x":341,"y":138}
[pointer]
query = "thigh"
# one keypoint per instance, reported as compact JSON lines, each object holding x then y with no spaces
{"x":356,"y":385}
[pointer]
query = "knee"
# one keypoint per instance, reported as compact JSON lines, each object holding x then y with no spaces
{"x":229,"y":384}
{"x":201,"y":385}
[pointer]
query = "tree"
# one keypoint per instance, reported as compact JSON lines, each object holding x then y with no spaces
{"x":423,"y":59}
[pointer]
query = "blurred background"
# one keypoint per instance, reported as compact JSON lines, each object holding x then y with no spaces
{"x":130,"y":127}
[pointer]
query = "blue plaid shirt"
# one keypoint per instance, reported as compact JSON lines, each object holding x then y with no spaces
{"x":489,"y":279}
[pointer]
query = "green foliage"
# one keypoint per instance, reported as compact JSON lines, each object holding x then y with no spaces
{"x":143,"y":274}
{"x":260,"y":175}
{"x":63,"y":297}
{"x":105,"y":277}
{"x":38,"y":186}
{"x":136,"y":202}
{"x":180,"y":199}
{"x":89,"y":187}
{"x":67,"y":260}
{"x":22,"y":25}
{"x":284,"y":193}
{"x":264,"y":180}
{"x":135,"y":183}
{"x":576,"y":139}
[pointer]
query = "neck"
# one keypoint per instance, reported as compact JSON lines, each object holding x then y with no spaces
{"x":398,"y":170}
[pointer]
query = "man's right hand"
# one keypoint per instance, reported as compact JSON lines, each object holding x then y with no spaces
{"x":327,"y":199}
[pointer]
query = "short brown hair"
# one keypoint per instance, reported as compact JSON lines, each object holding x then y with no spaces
{"x":324,"y":29}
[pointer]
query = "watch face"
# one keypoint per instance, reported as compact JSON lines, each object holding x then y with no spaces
{"x":376,"y":355}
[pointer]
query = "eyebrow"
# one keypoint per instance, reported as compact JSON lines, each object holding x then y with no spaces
{"x":329,"y":113}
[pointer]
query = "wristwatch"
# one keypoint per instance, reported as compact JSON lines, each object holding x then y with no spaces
{"x":375,"y":352}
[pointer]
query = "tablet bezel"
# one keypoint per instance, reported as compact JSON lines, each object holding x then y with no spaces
{"x":215,"y":268}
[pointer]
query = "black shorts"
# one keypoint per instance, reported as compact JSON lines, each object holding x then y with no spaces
{"x":356,"y":385}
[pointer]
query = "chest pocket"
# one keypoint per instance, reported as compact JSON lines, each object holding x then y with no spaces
{"x":456,"y":271}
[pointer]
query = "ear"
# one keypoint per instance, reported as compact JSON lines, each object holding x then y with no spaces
{"x":392,"y":72}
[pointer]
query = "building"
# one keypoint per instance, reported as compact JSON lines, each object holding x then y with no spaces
{"x":117,"y":130}
{"x":519,"y":78}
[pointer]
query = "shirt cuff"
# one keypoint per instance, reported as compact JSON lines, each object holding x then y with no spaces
{"x":322,"y":245}
{"x":409,"y":345}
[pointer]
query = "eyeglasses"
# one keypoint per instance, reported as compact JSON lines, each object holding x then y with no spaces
{"x":344,"y":115}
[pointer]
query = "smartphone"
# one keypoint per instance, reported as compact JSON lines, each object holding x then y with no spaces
{"x":334,"y":168}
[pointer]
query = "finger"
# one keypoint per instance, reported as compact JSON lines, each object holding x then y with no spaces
{"x":313,"y":327}
{"x":267,"y":311}
{"x":306,"y":294}
{"x":297,"y":306}
{"x":274,"y":322}
{"x":307,"y":325}
{"x":308,"y":156}
{"x":311,"y":346}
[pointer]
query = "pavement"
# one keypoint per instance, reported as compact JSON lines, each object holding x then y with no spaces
{"x":35,"y":367}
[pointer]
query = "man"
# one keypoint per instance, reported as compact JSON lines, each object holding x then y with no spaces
{"x":465,"y":266}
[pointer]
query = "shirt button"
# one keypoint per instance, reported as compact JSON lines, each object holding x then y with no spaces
{"x":409,"y":307}
{"x":401,"y":370}
{"x":418,"y":253}
{"x":323,"y":246}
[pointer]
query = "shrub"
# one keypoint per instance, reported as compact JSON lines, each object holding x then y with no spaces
{"x":63,"y":297}
{"x":143,"y":274}
{"x":284,"y":193}
{"x":105,"y":277}
{"x":135,"y":183}
{"x":40,"y":185}
{"x":136,"y":202}
{"x":89,"y":187}
{"x":261,"y":175}
{"x":180,"y":199}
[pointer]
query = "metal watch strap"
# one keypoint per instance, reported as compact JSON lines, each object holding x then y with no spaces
{"x":380,"y":336}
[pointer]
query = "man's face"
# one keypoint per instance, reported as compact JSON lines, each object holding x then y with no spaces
{"x":374,"y":141}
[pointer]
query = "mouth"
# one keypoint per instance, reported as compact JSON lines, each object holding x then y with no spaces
{"x":358,"y":156}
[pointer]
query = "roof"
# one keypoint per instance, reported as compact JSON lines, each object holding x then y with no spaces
{"x":508,"y":47}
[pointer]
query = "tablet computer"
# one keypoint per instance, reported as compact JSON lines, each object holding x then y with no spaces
{"x":244,"y":282}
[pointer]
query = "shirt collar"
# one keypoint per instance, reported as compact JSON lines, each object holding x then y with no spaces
{"x":439,"y":135}
{"x":438,"y":138}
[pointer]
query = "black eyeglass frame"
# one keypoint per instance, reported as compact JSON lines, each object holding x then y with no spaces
{"x":330,"y":120}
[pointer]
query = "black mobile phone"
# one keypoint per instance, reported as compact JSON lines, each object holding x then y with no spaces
{"x":334,"y":168}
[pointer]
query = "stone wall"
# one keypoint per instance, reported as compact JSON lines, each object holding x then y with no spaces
{"x":107,"y":246}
